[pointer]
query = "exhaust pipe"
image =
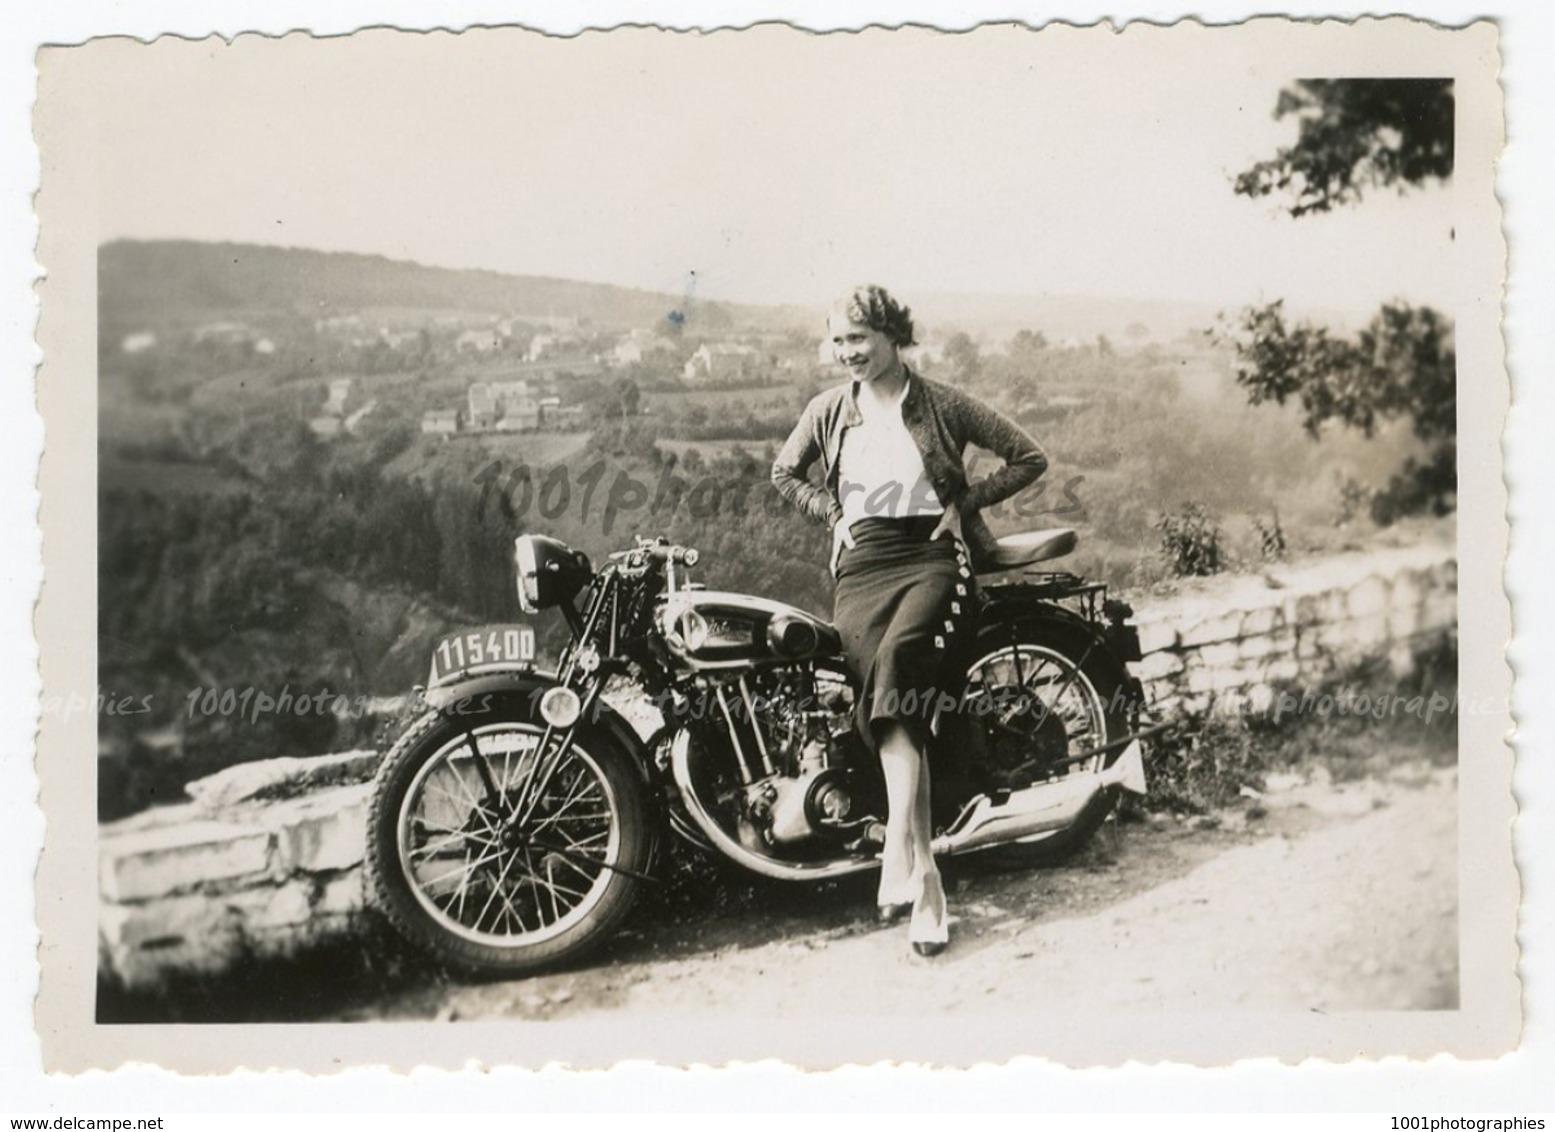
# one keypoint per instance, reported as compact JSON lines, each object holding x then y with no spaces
{"x":1045,"y":808}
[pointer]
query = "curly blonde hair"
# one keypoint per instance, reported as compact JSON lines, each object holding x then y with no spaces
{"x":875,"y":307}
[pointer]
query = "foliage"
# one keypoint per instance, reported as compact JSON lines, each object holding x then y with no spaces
{"x":321,"y":979}
{"x":1202,"y":764}
{"x":1190,"y":539}
{"x":963,"y":358}
{"x":1401,"y":366}
{"x":1357,"y":133}
{"x":1271,"y":537}
{"x":1352,"y":496}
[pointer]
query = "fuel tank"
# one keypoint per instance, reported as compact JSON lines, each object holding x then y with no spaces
{"x":714,"y":629}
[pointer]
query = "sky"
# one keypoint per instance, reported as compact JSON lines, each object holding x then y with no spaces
{"x":766,"y":166}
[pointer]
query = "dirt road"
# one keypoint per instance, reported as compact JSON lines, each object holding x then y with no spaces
{"x":1315,"y":896}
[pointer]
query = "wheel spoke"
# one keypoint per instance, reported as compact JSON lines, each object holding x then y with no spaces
{"x":495,"y":889}
{"x":488,"y":875}
{"x":431,"y":848}
{"x":465,"y":869}
{"x":1031,"y":689}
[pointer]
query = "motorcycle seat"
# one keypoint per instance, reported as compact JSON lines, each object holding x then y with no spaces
{"x":1012,"y":552}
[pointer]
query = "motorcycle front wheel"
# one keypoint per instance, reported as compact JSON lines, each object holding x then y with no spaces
{"x":492,"y":868}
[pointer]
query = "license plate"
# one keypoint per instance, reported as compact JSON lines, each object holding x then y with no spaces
{"x":483,"y":649}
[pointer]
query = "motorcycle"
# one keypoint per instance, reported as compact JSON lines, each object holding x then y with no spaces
{"x":515,"y":822}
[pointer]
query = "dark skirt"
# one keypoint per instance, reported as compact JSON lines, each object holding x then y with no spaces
{"x":901,"y":601}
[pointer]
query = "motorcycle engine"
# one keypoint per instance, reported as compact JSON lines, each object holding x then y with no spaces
{"x":805,"y":722}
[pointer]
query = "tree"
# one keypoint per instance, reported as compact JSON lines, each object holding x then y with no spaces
{"x":1354,"y":133}
{"x":1357,"y":133}
{"x":963,"y":356}
{"x":1403,"y":365}
{"x":1027,"y":344}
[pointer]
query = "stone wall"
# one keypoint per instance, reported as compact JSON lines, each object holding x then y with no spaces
{"x":251,"y":867}
{"x":266,"y":857}
{"x":1234,"y":643}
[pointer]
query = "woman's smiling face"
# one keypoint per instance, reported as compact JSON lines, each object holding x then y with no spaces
{"x":865,"y":353}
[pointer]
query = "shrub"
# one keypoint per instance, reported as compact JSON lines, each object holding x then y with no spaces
{"x":1271,"y":537}
{"x":1190,"y":539}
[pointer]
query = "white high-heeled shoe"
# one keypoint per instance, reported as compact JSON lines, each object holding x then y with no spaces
{"x":929,"y":930}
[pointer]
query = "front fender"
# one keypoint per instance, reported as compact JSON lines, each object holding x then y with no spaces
{"x":476,"y":695}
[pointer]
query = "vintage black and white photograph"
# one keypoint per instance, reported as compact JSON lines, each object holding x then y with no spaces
{"x":896,"y":544}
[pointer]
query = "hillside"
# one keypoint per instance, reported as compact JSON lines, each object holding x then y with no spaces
{"x":174,"y":282}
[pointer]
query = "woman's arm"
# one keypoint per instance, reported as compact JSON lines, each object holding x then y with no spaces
{"x":1024,"y":459}
{"x":800,"y":450}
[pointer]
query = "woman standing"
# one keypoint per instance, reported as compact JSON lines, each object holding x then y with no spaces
{"x":906,"y":536}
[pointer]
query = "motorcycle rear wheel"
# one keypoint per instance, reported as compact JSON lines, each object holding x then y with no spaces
{"x":456,"y":872}
{"x":1079,"y":697}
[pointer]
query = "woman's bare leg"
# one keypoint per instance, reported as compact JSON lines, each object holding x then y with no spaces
{"x":928,"y":932}
{"x":909,"y":827}
{"x":902,"y":765}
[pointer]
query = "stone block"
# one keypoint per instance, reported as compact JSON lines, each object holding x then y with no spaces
{"x":1404,"y":620}
{"x":1370,"y":633}
{"x":155,"y":862}
{"x":1260,"y":698}
{"x":1216,"y":627}
{"x":1158,"y":665}
{"x":1264,"y":619}
{"x":1317,"y":608}
{"x":1269,"y":644}
{"x":1368,"y":598}
{"x":1409,"y":589}
{"x":1222,"y":654}
{"x":1156,"y":636}
{"x":1401,"y":659}
{"x":341,"y":896}
{"x":1196,"y":703}
{"x":272,"y":908}
{"x":1347,"y":640}
{"x":282,"y":778}
{"x":1439,"y":610}
{"x":319,"y":833}
{"x":1216,"y":679}
{"x":142,"y":942}
{"x":1278,"y":670}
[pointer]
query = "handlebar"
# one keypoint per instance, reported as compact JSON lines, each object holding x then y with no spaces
{"x":678,"y":555}
{"x":657,"y":550}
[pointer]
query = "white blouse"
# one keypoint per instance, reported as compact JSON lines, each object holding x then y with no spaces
{"x":880,"y":470}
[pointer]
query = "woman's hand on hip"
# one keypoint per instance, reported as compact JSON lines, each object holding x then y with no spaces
{"x":841,"y":536}
{"x":949,"y":522}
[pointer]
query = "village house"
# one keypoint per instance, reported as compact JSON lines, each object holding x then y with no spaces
{"x":567,"y":417}
{"x":339,"y":390}
{"x":482,"y":406}
{"x":440,"y":422}
{"x":508,"y":406}
{"x":484,"y":340}
{"x":721,"y":361}
{"x":519,"y":414}
{"x":225,"y":334}
{"x":637,"y":345}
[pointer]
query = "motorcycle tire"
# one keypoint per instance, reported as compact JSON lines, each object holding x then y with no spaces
{"x":1101,"y":679}
{"x":456,"y":875}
